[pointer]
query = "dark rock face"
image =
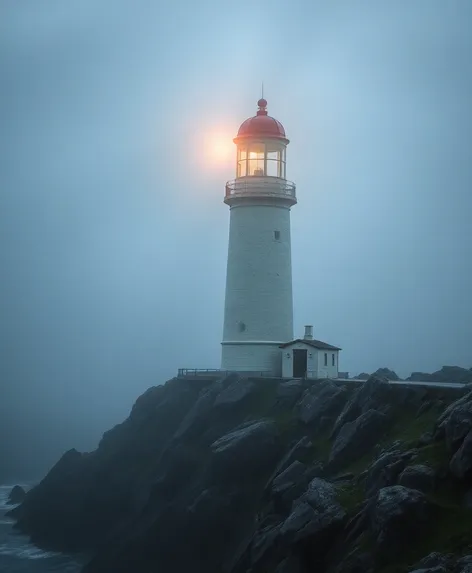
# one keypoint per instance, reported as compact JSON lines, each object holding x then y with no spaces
{"x":195,"y":419}
{"x":437,"y":569}
{"x":375,"y":394}
{"x":446,"y":374}
{"x":434,"y":560}
{"x":311,"y":524}
{"x":289,"y":392}
{"x":17,"y":495}
{"x":237,"y":391}
{"x":397,"y":516}
{"x":290,"y":484}
{"x":320,"y":400}
{"x":243,"y":475}
{"x":461,"y":462}
{"x":386,"y":469}
{"x":456,"y":422}
{"x":356,"y":438}
{"x":297,"y":452}
{"x":313,"y":514}
{"x":292,"y":564}
{"x":386,"y":373}
{"x":419,"y":477}
{"x":246,"y":449}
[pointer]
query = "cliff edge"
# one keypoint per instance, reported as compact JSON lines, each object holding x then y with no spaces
{"x":244,"y":475}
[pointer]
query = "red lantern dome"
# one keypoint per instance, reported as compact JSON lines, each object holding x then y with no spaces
{"x":261,"y":126}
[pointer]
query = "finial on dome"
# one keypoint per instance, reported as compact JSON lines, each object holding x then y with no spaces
{"x":262,"y":103}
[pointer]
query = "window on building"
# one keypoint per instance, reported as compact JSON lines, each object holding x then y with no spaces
{"x":275,"y":159}
{"x":326,"y":359}
{"x":277,"y":235}
{"x":333,"y":360}
{"x":256,"y":159}
{"x":242,"y":162}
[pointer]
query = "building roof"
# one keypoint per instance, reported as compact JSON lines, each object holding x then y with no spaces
{"x":315,"y":343}
{"x":262,"y":125}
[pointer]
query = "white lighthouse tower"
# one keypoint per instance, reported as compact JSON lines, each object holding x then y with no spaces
{"x":258,"y":314}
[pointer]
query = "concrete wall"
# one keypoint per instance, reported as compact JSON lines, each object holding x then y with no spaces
{"x":328,"y":371}
{"x":258,"y":300}
{"x":244,"y":356}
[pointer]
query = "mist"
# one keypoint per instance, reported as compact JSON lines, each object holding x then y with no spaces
{"x":112,"y":223}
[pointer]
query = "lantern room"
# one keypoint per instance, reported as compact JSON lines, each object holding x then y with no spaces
{"x":261,"y":146}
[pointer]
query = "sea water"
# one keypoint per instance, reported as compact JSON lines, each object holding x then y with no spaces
{"x":17,"y":555}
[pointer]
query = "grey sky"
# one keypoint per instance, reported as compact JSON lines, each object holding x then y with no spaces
{"x":113,"y":230}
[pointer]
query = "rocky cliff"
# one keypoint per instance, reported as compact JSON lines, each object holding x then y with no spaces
{"x":260,"y":475}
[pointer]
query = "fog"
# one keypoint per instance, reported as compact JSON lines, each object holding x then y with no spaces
{"x":113,"y":230}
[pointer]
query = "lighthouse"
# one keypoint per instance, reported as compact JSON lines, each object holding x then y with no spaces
{"x":258,"y":313}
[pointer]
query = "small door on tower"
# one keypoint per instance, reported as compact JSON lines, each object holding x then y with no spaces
{"x":299,"y":363}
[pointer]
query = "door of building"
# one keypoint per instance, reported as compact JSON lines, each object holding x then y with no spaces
{"x":299,"y":363}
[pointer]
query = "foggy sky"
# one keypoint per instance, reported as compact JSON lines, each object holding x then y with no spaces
{"x":113,"y":233}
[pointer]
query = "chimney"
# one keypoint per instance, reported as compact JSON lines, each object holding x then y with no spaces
{"x":308,"y":332}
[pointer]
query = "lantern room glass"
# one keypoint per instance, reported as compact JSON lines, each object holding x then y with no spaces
{"x":258,"y":159}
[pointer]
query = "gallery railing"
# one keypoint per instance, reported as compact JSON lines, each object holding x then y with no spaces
{"x":262,"y":186}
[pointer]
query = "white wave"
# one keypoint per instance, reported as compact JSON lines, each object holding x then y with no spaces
{"x":25,"y":552}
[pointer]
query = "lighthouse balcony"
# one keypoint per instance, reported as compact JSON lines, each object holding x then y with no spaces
{"x":261,"y":187}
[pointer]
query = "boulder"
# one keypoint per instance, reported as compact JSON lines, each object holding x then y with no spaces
{"x":315,"y":517}
{"x":455,"y":422}
{"x":247,"y":449}
{"x":375,"y":393}
{"x":464,"y":564}
{"x":363,"y":376}
{"x":461,"y":462}
{"x":315,"y":514}
{"x":445,"y":374}
{"x":289,"y":392}
{"x":384,"y":471}
{"x":357,"y":437}
{"x":288,"y":477}
{"x":432,"y":561}
{"x":299,"y":451}
{"x":386,"y":373}
{"x":397,"y":517}
{"x":237,"y":392}
{"x":419,"y":477}
{"x":289,"y":485}
{"x":324,"y":399}
{"x":17,"y":495}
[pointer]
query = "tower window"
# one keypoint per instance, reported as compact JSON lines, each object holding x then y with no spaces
{"x":277,"y":235}
{"x":326,"y":359}
{"x":242,"y":327}
{"x":334,"y":360}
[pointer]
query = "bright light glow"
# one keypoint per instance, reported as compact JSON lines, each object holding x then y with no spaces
{"x":219,"y":150}
{"x":211,"y":151}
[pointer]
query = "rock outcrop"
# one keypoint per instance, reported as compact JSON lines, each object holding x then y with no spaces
{"x":16,"y":496}
{"x":242,"y":475}
{"x":446,"y":374}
